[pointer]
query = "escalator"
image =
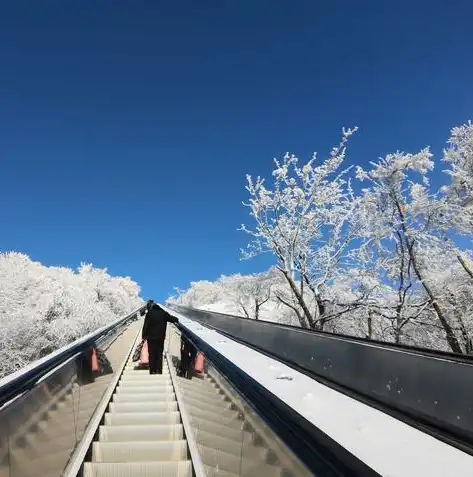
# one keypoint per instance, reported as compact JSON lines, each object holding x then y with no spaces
{"x":231,"y":439}
{"x":142,"y":433}
{"x":58,"y":420}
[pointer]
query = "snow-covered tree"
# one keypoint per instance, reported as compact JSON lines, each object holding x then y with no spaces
{"x":249,"y":292}
{"x":380,"y":255}
{"x":458,"y":210}
{"x":252,"y":296}
{"x":410,"y":239}
{"x":307,"y":221}
{"x":397,"y":214}
{"x":199,"y":294}
{"x":391,"y":261}
{"x":459,"y":158}
{"x":43,"y":308}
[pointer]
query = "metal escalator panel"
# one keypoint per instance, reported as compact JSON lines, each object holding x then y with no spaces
{"x":231,"y":438}
{"x":40,"y":429}
{"x":142,"y":433}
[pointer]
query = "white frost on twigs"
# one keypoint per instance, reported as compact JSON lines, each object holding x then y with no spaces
{"x":43,"y":308}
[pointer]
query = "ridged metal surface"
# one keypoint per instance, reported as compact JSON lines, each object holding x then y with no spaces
{"x":139,"y":469}
{"x":42,"y":436}
{"x":142,"y":434}
{"x":227,"y":446}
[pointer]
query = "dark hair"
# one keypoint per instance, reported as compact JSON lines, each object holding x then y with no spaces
{"x":149,"y":304}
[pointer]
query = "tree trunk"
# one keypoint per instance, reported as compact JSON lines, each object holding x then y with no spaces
{"x":320,"y":323}
{"x":257,"y":307}
{"x":370,"y":325}
{"x":300,"y":299}
{"x":245,"y":311}
{"x":463,"y":331}
{"x":397,"y":335}
{"x":397,"y":328}
{"x":465,"y":266}
{"x":302,"y":321}
{"x":450,"y":335}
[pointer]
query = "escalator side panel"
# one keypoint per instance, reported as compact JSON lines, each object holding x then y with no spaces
{"x":230,"y":441}
{"x":40,"y":430}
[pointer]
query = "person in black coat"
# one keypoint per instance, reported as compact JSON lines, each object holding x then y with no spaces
{"x":154,"y":332}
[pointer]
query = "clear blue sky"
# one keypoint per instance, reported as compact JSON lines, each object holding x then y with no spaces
{"x":127,"y":128}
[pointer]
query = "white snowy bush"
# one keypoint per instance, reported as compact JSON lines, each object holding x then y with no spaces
{"x":43,"y":308}
{"x":251,"y":296}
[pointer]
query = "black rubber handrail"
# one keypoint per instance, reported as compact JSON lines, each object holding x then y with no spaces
{"x":466,"y":358}
{"x":26,"y":378}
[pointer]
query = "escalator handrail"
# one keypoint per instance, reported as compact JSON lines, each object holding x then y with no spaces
{"x":20,"y":381}
{"x":418,"y":350}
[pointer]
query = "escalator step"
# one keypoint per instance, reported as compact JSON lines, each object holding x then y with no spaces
{"x":138,"y":469}
{"x":139,"y":451}
{"x":141,"y":433}
{"x":143,"y":389}
{"x":149,"y":397}
{"x":139,"y":407}
{"x":137,"y":418}
{"x":149,"y":384}
{"x":148,"y":379}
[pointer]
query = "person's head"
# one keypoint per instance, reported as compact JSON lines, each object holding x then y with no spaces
{"x":149,"y":304}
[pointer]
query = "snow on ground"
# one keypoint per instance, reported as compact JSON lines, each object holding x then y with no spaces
{"x":221,"y":307}
{"x":387,"y":445}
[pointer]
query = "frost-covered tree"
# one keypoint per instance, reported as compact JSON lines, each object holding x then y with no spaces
{"x":410,"y":237}
{"x":249,"y":292}
{"x":458,"y":210}
{"x":306,"y":220}
{"x":252,"y":296}
{"x":383,"y":255}
{"x":200,"y":294}
{"x":459,"y":158}
{"x":398,"y":215}
{"x":43,"y":308}
{"x":391,"y":261}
